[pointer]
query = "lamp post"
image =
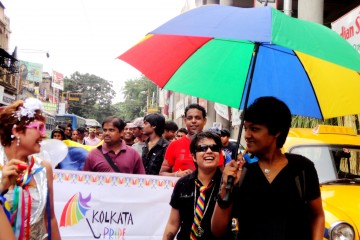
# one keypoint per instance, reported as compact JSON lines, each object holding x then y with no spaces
{"x":24,"y":50}
{"x":147,"y":92}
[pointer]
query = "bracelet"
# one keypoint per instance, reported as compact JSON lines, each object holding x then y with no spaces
{"x":2,"y":199}
{"x":176,"y":173}
{"x":223,"y":204}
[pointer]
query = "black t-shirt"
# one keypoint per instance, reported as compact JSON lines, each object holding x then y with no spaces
{"x":182,"y":199}
{"x":154,"y":158}
{"x":276,"y":211}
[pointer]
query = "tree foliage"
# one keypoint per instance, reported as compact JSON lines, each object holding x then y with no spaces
{"x":137,"y":93}
{"x":307,"y":122}
{"x":96,"y":95}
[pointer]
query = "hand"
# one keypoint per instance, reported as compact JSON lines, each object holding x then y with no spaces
{"x":183,"y":173}
{"x":234,"y":168}
{"x":10,"y":173}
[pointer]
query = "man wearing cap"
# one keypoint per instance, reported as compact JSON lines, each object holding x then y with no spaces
{"x":228,"y":147}
{"x":92,"y":140}
{"x":139,"y":141}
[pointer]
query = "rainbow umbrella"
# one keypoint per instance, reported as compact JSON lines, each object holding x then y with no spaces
{"x":233,"y":55}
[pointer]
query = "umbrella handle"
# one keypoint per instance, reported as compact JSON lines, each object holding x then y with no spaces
{"x":228,"y":188}
{"x":230,"y":181}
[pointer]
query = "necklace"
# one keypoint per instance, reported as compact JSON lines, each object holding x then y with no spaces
{"x":267,"y":173}
{"x":199,"y":230}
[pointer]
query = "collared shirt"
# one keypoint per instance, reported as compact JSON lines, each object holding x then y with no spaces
{"x":183,"y":199}
{"x":154,"y":158}
{"x":138,"y":146}
{"x":127,"y":160}
{"x":92,"y":142}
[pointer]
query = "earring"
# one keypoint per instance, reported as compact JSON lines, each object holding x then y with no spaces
{"x":18,"y":141}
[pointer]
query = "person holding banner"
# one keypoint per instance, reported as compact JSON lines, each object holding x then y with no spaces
{"x":194,"y":196}
{"x":26,"y":185}
{"x":114,"y":155}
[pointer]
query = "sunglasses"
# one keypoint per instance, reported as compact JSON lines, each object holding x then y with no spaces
{"x":205,"y":147}
{"x":40,"y":126}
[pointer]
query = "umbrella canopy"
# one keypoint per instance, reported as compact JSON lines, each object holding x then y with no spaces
{"x":228,"y":54}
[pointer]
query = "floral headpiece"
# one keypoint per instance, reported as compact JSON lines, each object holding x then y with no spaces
{"x":29,"y":108}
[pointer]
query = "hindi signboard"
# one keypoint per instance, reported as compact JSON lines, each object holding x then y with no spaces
{"x":348,"y":26}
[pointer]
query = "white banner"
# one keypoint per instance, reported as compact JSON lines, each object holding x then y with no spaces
{"x":261,"y":3}
{"x":235,"y":117}
{"x":111,"y":205}
{"x":193,"y":99}
{"x":180,"y":108}
{"x":222,"y":110}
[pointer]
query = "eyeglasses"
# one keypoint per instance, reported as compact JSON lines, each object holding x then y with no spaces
{"x":205,"y":147}
{"x":40,"y":126}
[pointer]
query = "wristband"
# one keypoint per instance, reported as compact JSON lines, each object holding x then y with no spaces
{"x":2,"y":199}
{"x":176,"y":173}
{"x":223,"y":204}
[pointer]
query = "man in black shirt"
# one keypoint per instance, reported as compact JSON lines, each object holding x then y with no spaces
{"x":155,"y":146}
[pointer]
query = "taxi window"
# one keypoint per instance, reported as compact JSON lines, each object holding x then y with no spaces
{"x":332,"y":162}
{"x":347,"y":162}
{"x":321,"y":157}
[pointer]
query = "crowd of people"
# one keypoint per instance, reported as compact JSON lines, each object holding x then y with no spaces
{"x":264,"y":201}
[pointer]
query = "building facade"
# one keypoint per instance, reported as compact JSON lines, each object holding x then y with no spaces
{"x":8,"y":88}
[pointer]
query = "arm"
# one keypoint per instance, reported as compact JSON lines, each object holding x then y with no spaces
{"x":317,"y":219}
{"x":222,"y":214}
{"x":167,"y":170}
{"x":55,"y":233}
{"x":173,"y":225}
{"x":6,"y":230}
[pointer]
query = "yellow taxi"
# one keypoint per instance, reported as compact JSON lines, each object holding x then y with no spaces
{"x":336,"y":153}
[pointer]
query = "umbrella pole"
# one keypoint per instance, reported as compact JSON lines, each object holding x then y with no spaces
{"x":230,"y":182}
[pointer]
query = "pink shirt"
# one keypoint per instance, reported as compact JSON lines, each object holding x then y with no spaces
{"x":92,"y":142}
{"x":127,"y":160}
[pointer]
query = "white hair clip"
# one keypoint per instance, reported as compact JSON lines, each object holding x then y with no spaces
{"x":29,"y":108}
